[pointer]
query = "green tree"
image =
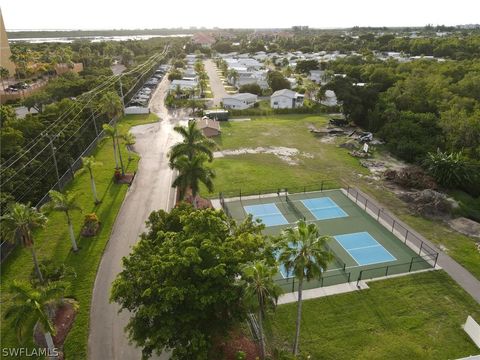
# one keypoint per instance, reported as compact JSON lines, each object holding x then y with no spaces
{"x":193,"y":143}
{"x":130,"y":140}
{"x":18,"y":225}
{"x":304,"y":66}
{"x":192,"y":172}
{"x":65,"y":203}
{"x":111,"y":131}
{"x":88,"y":163}
{"x":35,"y":305}
{"x":111,"y":105}
{"x":4,"y":74}
{"x":233,"y":76}
{"x":37,"y":100}
{"x":277,"y":81}
{"x":180,"y":282}
{"x":303,"y":253}
{"x":261,"y":292}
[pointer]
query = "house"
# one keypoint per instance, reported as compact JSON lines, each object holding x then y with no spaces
{"x":216,"y":114}
{"x":286,"y":99}
{"x":203,"y":39}
{"x":329,"y":99}
{"x":240,"y":101}
{"x":182,"y":85}
{"x":209,"y":127}
{"x":317,"y":76}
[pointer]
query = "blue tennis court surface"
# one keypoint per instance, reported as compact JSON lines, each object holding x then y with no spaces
{"x":364,"y":249}
{"x":269,"y":214}
{"x":324,"y":208}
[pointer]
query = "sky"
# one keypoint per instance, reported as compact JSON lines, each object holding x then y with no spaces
{"x":149,"y":14}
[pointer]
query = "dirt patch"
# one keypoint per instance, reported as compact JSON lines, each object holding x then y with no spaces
{"x":429,"y":203}
{"x":289,"y":155}
{"x":64,"y":317}
{"x":465,"y":226}
{"x":227,"y":349}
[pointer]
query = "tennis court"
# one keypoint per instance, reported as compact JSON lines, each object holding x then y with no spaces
{"x":359,"y":243}
{"x":364,"y":249}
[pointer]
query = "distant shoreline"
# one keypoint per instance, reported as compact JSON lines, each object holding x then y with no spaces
{"x":35,"y":34}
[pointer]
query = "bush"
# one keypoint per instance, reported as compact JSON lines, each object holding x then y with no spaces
{"x":51,"y":271}
{"x":451,"y":170}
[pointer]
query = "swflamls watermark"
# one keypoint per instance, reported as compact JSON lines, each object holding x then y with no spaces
{"x":29,"y":352}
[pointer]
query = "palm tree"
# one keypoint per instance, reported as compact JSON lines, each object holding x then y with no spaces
{"x":130,"y":140}
{"x":18,"y":225}
{"x":303,"y":253}
{"x":192,"y":172}
{"x":233,"y":76}
{"x":89,"y":163}
{"x":4,"y":74}
{"x":111,"y":131}
{"x":262,"y":292}
{"x":35,"y":305}
{"x":111,"y":105}
{"x":65,"y":203}
{"x":194,"y":143}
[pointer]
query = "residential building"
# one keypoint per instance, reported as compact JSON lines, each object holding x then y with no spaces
{"x":183,"y":85}
{"x":286,"y":99}
{"x":240,"y":101}
{"x":317,"y":76}
{"x":203,"y":39}
{"x":209,"y":127}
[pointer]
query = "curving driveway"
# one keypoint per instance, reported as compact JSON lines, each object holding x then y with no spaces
{"x":150,"y":191}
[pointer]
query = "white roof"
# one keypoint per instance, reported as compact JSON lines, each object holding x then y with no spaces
{"x":242,"y":96}
{"x":285,"y":92}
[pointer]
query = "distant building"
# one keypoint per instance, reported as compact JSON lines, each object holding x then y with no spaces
{"x":209,"y":127}
{"x":286,"y":99}
{"x":240,"y":101}
{"x":182,"y":85}
{"x":5,"y":52}
{"x":203,"y":39}
{"x":329,"y":99}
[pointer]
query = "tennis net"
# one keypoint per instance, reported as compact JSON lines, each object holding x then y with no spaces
{"x":295,"y":210}
{"x":335,"y":256}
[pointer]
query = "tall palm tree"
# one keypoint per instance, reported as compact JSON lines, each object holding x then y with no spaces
{"x":130,"y":140}
{"x":111,"y":104}
{"x":35,"y":305}
{"x":233,"y":76}
{"x":89,"y":163}
{"x":18,"y":225}
{"x":4,"y":74}
{"x":65,"y":203}
{"x":192,"y":172}
{"x":194,"y":143}
{"x":303,"y":253}
{"x":111,"y":131}
{"x":261,"y":292}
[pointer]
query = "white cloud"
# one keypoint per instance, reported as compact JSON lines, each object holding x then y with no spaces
{"x":108,"y":14}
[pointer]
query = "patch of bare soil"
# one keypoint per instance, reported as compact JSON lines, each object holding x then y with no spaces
{"x":63,"y":321}
{"x":465,"y":226}
{"x":227,"y":348}
{"x":289,"y":155}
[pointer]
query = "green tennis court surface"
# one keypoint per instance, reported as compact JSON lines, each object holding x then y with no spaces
{"x":362,"y":247}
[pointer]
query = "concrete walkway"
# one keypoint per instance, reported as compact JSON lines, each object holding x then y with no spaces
{"x":457,"y":272}
{"x":150,"y":191}
{"x":216,"y":84}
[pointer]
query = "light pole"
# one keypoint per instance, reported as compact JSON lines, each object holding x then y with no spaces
{"x":53,"y":148}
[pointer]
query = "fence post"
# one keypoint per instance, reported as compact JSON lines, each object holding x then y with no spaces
{"x":359,"y":276}
{"x":321,"y":282}
{"x":406,"y":236}
{"x":378,"y":215}
{"x":240,"y":192}
{"x":421,"y":247}
{"x":71,"y":170}
{"x":436,"y":259}
{"x":293,"y":285}
{"x":349,"y":276}
{"x":393,"y":225}
{"x":386,"y":271}
{"x":366,"y":202}
{"x":356,"y":197}
{"x":411,"y":264}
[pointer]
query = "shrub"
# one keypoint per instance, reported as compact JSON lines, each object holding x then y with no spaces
{"x":451,"y":170}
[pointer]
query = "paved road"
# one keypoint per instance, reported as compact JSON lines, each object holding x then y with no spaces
{"x":150,"y":191}
{"x":216,"y":84}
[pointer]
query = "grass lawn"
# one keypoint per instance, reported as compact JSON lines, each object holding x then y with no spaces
{"x":418,"y":316}
{"x":317,"y":161}
{"x":53,"y":242}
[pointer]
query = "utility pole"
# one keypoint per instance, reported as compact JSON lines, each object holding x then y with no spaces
{"x":50,"y":137}
{"x":121,"y":94}
{"x":94,"y":122}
